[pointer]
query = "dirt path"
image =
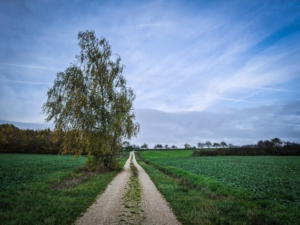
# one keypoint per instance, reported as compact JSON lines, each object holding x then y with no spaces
{"x":155,"y":207}
{"x":131,"y":198}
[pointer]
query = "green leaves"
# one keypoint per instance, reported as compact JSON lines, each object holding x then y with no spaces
{"x":90,"y":99}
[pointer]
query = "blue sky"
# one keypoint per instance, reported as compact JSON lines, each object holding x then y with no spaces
{"x":201,"y":70}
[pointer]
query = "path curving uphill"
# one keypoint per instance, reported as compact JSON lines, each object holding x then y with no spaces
{"x":131,"y":198}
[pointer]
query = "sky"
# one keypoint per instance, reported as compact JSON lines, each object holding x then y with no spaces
{"x":201,"y":70}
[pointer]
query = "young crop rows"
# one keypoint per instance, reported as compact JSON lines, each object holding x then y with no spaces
{"x":273,"y":178}
{"x":16,"y":171}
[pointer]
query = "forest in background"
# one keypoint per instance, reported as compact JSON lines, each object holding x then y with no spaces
{"x":46,"y":141}
{"x":15,"y":140}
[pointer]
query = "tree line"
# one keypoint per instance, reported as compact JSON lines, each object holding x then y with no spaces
{"x":274,"y":146}
{"x":15,"y":140}
{"x":126,"y":145}
{"x":46,"y":141}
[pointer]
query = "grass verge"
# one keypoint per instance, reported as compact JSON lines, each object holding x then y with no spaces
{"x":47,"y":201}
{"x":198,"y":200}
{"x":132,"y":200}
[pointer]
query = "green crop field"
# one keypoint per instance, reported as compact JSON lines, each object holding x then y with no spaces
{"x":48,"y":189}
{"x":152,"y":154}
{"x":268,"y":186}
{"x":265,"y":177}
{"x":17,"y":170}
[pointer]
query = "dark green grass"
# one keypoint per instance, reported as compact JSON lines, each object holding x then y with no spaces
{"x":198,"y":199}
{"x":210,"y":204}
{"x":265,"y":177}
{"x":18,"y":170}
{"x":43,"y":195}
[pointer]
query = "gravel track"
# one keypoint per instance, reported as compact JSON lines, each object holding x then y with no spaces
{"x":109,"y":207}
{"x":155,"y":207}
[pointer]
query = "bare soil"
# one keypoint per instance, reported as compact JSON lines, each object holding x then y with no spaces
{"x":131,"y":198}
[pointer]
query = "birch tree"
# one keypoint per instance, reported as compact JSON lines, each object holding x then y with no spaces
{"x":90,"y":104}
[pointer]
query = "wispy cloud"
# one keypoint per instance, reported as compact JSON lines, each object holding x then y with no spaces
{"x":270,"y":89}
{"x":26,"y":82}
{"x":29,"y":66}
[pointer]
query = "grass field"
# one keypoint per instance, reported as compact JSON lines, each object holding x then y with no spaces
{"x":47,"y":189}
{"x":228,"y":190}
{"x":153,"y":154}
{"x":17,"y":171}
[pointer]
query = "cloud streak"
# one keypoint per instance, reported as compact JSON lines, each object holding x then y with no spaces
{"x":26,"y":82}
{"x":28,"y":66}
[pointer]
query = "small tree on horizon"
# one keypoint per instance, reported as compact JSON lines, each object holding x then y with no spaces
{"x":145,"y":146}
{"x":158,"y":146}
{"x":277,"y":142}
{"x":200,"y":145}
{"x":187,"y":146}
{"x":216,"y":145}
{"x":223,"y":144}
{"x":208,"y":144}
{"x":125,"y":144}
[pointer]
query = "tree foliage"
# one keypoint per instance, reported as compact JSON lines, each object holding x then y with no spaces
{"x":208,"y":144}
{"x":267,"y":147}
{"x":158,"y":146}
{"x":91,"y":104}
{"x":145,"y":146}
{"x":15,"y":140}
{"x":187,"y":146}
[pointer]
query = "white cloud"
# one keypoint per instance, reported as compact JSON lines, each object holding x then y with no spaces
{"x":238,"y":126}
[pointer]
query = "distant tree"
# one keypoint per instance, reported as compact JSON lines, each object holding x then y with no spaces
{"x":158,"y":146}
{"x":166,"y":147}
{"x":223,"y":144}
{"x":187,"y":146}
{"x":125,"y":144}
{"x":91,"y":104}
{"x":208,"y":144}
{"x":260,"y":144}
{"x":145,"y":146}
{"x":135,"y":147}
{"x":173,"y":147}
{"x":276,"y":142}
{"x":201,"y":145}
{"x":216,"y":145}
{"x":230,"y":145}
{"x":265,"y":144}
{"x":130,"y":147}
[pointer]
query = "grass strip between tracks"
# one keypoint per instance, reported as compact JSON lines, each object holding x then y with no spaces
{"x":131,"y":213}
